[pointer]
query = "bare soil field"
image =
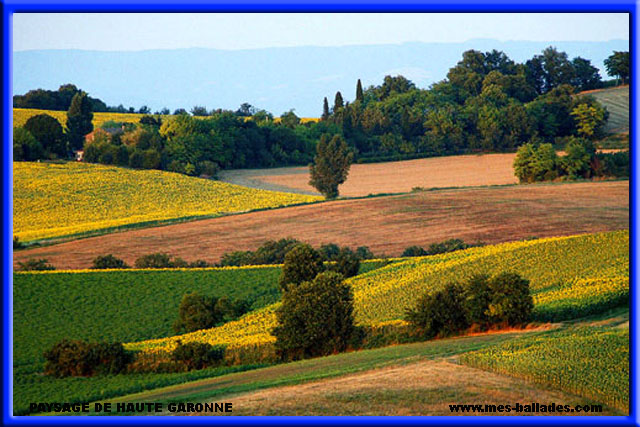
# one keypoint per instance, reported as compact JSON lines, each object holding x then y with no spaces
{"x":390,"y":177}
{"x":422,"y":388}
{"x":387,"y":224}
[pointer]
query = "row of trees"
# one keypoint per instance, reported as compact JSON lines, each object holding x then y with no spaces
{"x":43,"y":137}
{"x":488,"y":102}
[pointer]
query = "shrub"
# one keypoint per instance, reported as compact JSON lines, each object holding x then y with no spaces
{"x":302,"y":263}
{"x":511,"y":300}
{"x":36,"y":265}
{"x":157,"y":260}
{"x":108,"y":261}
{"x":17,"y":244}
{"x":363,"y":252}
{"x":198,"y":355}
{"x":199,"y":263}
{"x":414,"y":251}
{"x":347,"y":263}
{"x":136,"y":159}
{"x":25,"y":146}
{"x":446,"y":246}
{"x":196,"y":312}
{"x":535,"y":162}
{"x":329,"y":251}
{"x":577,"y":162}
{"x":208,"y":168}
{"x":81,"y":359}
{"x":614,"y":164}
{"x":477,"y":297}
{"x":237,"y":258}
{"x":229,"y":309}
{"x":438,"y":313}
{"x":315,"y":318}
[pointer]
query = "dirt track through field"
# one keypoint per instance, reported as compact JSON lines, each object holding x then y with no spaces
{"x":421,"y":388}
{"x":387,"y":225}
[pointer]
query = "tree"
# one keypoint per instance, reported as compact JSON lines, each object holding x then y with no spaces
{"x":108,"y":261}
{"x":347,"y":263}
{"x":330,"y":165}
{"x":246,"y":110}
{"x":25,"y":146}
{"x":199,"y":110}
{"x":439,"y":313}
{"x":315,"y":318}
{"x":338,"y":103}
{"x":535,"y":162}
{"x":511,"y":300}
{"x":359,"y":92}
{"x":48,"y":132}
{"x":477,"y":297}
{"x":618,"y":65}
{"x":79,"y":120}
{"x":586,"y":76}
{"x":550,"y":69}
{"x":302,"y":263}
{"x":196,"y":312}
{"x":589,"y":119}
{"x":289,"y":119}
{"x":325,"y":110}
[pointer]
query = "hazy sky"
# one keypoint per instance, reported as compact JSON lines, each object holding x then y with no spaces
{"x":247,"y":31}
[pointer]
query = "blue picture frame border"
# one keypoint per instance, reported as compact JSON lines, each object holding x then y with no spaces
{"x":567,"y":6}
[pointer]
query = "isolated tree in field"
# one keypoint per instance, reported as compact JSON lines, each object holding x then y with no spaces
{"x":315,"y":318}
{"x":302,"y":263}
{"x":359,"y":91}
{"x":330,"y":165}
{"x":338,"y":103}
{"x":325,"y":109}
{"x":79,"y":120}
{"x":618,"y":65}
{"x":196,"y":312}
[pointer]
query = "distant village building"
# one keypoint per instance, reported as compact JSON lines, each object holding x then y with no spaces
{"x":108,"y":132}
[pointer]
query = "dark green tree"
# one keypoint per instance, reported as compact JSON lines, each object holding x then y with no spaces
{"x":586,"y":75}
{"x":196,"y":312}
{"x":511,"y":300}
{"x":315,"y":318}
{"x":25,"y":146}
{"x":79,"y":120}
{"x":618,"y":65}
{"x":338,"y":103}
{"x":359,"y":91}
{"x":48,"y":132}
{"x":301,"y":264}
{"x":330,"y":165}
{"x":439,"y":313}
{"x":325,"y":110}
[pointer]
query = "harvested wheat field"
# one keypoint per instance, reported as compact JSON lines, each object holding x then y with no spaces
{"x":421,"y":388}
{"x":387,"y":224}
{"x":390,"y":177}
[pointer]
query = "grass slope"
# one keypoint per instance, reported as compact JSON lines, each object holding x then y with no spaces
{"x":54,"y":200}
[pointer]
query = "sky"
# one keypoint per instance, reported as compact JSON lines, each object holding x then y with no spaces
{"x":133,"y":32}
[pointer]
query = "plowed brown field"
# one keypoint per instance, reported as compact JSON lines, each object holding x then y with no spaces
{"x":386,"y":224}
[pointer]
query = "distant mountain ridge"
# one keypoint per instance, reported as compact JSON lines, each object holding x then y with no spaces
{"x":276,"y":79}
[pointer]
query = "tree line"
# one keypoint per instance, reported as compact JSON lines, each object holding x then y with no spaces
{"x":488,"y":102}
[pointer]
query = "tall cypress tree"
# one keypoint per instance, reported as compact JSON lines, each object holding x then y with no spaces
{"x":338,"y":103}
{"x":79,"y":120}
{"x":325,"y":109}
{"x":359,"y":92}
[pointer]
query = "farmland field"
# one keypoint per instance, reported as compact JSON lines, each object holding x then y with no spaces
{"x":54,"y":200}
{"x":600,"y":371}
{"x":390,"y":177}
{"x":616,"y":100}
{"x":554,"y":267}
{"x":21,"y":115}
{"x":124,"y":304}
{"x":387,"y":225}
